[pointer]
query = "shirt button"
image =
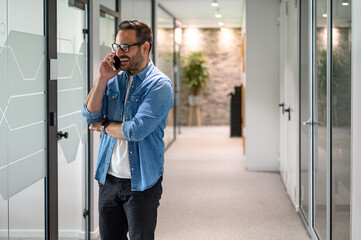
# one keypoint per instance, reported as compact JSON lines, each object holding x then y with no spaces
{"x":132,"y":86}
{"x":113,"y":97}
{"x":132,"y":169}
{"x":131,"y":152}
{"x":136,"y":100}
{"x":127,"y":101}
{"x":126,"y":118}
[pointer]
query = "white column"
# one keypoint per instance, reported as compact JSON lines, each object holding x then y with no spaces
{"x":262,"y":91}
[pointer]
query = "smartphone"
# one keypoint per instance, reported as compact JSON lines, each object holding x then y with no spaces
{"x":116,"y":64}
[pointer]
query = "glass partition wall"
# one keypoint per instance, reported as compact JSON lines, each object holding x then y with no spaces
{"x":325,"y":104}
{"x":42,"y":196}
{"x":23,"y":121}
{"x":341,"y":118}
{"x":166,"y":61}
{"x":305,"y":110}
{"x":72,"y":89}
{"x":108,"y":30}
{"x":163,"y":43}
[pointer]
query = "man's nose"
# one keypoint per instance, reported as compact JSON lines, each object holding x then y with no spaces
{"x":120,"y":52}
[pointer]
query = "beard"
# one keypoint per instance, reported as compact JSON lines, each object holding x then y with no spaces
{"x":135,"y":63}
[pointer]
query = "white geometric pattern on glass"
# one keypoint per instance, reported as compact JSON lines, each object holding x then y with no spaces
{"x":71,"y":94}
{"x":22,"y":112}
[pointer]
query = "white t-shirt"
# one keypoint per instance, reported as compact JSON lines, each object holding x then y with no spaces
{"x":119,"y":162}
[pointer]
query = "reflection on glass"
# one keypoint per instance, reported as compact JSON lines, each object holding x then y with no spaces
{"x":139,"y":10}
{"x":341,"y":119}
{"x":72,"y":78}
{"x":108,"y":3}
{"x":106,"y":29}
{"x":305,"y":110}
{"x":107,"y":34}
{"x":165,"y":61}
{"x":320,"y":130}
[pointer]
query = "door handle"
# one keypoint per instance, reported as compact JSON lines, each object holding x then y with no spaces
{"x":308,"y":122}
{"x":289,"y":113}
{"x":318,"y":123}
{"x":62,"y":135}
{"x":283,"y":107}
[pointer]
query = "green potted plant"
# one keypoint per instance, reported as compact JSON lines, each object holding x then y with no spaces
{"x":195,"y":74}
{"x":338,"y":71}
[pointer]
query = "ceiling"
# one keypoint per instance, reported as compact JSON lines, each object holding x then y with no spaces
{"x":200,"y":13}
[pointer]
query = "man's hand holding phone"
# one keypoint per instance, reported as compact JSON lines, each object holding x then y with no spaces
{"x":109,"y":67}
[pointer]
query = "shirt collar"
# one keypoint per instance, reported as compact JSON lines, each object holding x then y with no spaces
{"x":144,"y":73}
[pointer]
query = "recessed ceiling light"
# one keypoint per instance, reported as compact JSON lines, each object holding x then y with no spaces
{"x":324,"y":15}
{"x":345,"y":4}
{"x":221,"y":23}
{"x":218,"y":14}
{"x":214,"y":3}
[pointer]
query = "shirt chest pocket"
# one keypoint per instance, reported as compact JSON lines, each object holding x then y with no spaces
{"x":135,"y":101}
{"x":113,"y":104}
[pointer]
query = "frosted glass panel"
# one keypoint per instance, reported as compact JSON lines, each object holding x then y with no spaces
{"x":72,"y":82}
{"x":23,"y":146}
{"x":72,"y":76}
{"x":23,"y":110}
{"x":4,"y":204}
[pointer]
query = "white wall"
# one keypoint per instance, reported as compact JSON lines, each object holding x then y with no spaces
{"x":356,"y":121}
{"x":262,"y":88}
{"x":289,"y":95}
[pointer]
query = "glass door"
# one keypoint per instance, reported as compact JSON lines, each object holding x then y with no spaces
{"x":72,"y":89}
{"x":23,"y":124}
{"x":305,"y":110}
{"x":166,"y":62}
{"x":326,"y":107}
{"x":341,"y":118}
{"x":320,"y":135}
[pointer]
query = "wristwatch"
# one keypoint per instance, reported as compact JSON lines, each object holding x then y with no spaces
{"x":105,"y":123}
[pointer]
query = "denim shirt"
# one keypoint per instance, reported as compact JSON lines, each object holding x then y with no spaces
{"x":146,"y":110}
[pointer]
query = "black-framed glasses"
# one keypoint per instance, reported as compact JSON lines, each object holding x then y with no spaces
{"x":124,"y":47}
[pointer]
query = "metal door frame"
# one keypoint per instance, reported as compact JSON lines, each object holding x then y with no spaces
{"x":312,"y":77}
{"x":51,"y":181}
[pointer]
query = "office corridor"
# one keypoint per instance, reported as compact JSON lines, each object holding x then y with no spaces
{"x":208,"y":195}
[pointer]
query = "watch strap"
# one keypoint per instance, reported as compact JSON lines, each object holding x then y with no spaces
{"x":105,"y":123}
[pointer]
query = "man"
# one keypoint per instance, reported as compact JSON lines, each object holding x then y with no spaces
{"x":130,"y":107}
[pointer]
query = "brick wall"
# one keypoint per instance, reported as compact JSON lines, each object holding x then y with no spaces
{"x":223,"y":48}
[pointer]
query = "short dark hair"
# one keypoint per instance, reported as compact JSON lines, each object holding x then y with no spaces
{"x":142,"y":31}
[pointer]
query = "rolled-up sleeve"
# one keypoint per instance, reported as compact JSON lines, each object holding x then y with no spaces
{"x":152,"y":111}
{"x":93,"y":117}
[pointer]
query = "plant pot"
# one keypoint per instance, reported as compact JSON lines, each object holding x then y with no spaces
{"x":195,"y":100}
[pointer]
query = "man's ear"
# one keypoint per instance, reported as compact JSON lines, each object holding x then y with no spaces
{"x":146,"y":47}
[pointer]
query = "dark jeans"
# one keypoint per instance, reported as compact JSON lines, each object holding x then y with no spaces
{"x":122,"y":210}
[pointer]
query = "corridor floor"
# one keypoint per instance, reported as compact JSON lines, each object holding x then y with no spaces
{"x":208,"y":194}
